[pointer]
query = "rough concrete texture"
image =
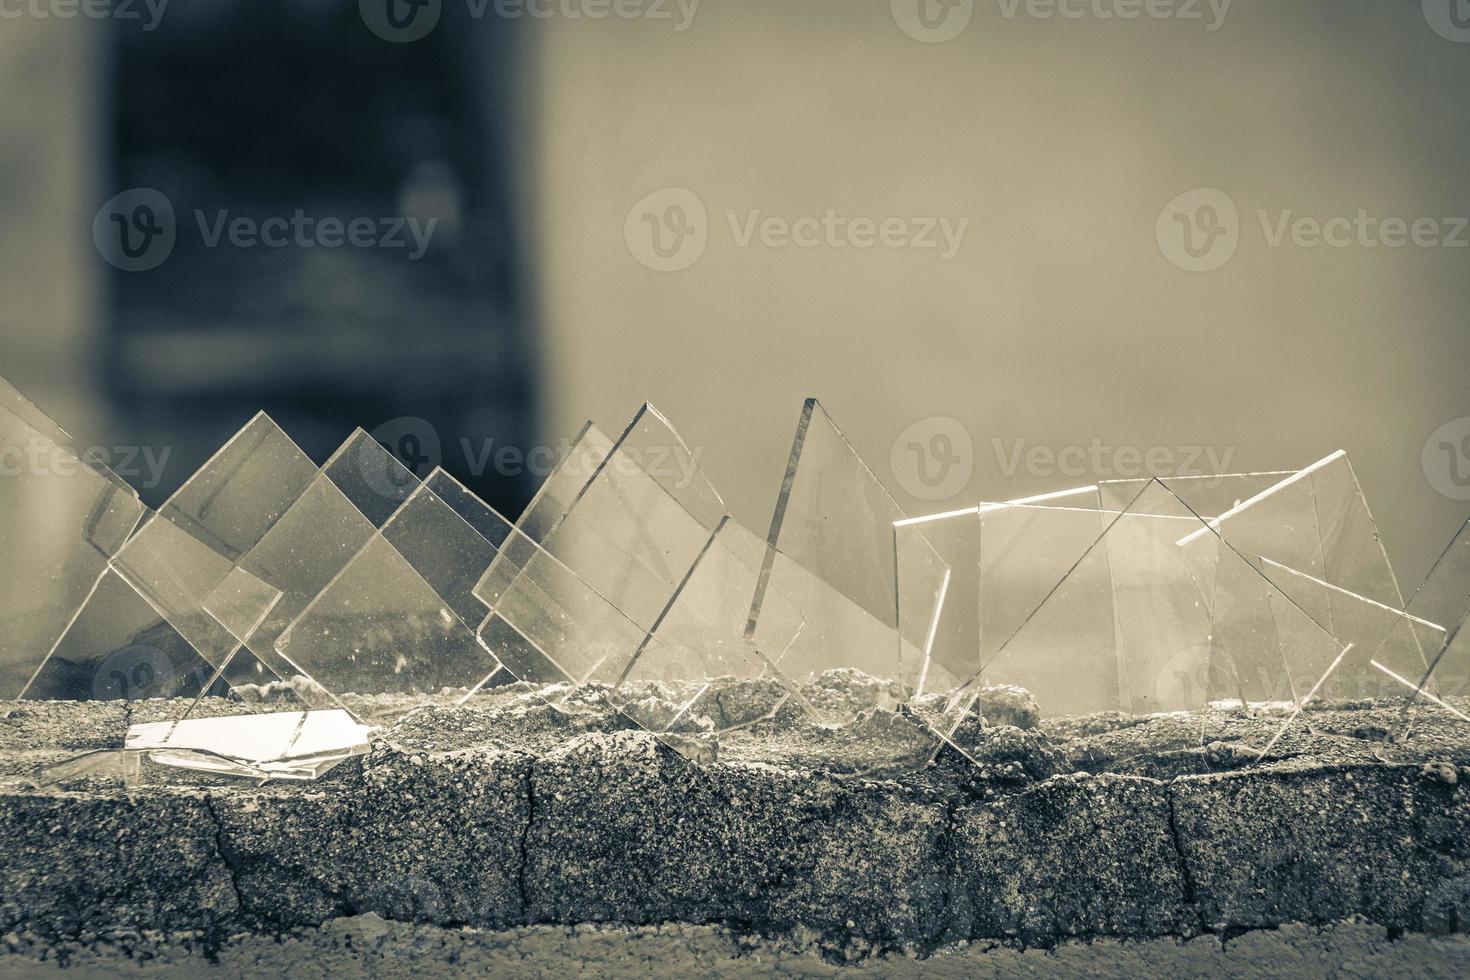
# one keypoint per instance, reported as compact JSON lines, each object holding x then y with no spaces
{"x":1079,"y":830}
{"x":370,"y":946}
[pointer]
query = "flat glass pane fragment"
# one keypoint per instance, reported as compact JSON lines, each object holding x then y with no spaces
{"x":396,"y":621}
{"x":832,"y":552}
{"x":1317,"y":523}
{"x":953,"y":642}
{"x":1209,"y":495}
{"x":646,"y":531}
{"x":119,"y":647}
{"x":636,"y":526}
{"x":1444,"y":597}
{"x":708,"y":666}
{"x":239,"y":494}
{"x":60,"y":524}
{"x":144,"y":630}
{"x":307,"y":545}
{"x":1390,"y":649}
{"x":1141,"y":625}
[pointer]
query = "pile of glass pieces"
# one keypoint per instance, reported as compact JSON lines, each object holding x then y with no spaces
{"x":287,"y":608}
{"x":1261,"y":590}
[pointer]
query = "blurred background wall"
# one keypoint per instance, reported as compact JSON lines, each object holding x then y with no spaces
{"x":1059,"y":323}
{"x":989,"y":284}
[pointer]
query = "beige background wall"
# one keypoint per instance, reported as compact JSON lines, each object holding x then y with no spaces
{"x":1059,"y":321}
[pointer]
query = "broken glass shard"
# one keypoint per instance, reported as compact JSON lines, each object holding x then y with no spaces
{"x":634,"y":527}
{"x":280,"y":745}
{"x":398,"y":619}
{"x":239,"y":494}
{"x":1137,"y":624}
{"x":1313,"y":535}
{"x":1444,"y":597}
{"x":1389,"y":646}
{"x":143,"y":630}
{"x":302,"y":549}
{"x":952,"y":644}
{"x":832,"y":552}
{"x":1208,"y":495}
{"x":639,"y":523}
{"x":61,"y":522}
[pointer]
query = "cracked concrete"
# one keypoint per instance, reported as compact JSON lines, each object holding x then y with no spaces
{"x":1060,"y":834}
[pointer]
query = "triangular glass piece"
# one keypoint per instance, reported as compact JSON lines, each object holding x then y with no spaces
{"x":1316,"y":522}
{"x":144,"y":631}
{"x":239,"y":494}
{"x":1208,"y":495}
{"x":1072,"y":651}
{"x":395,"y":627}
{"x":1313,"y":535}
{"x":120,"y":648}
{"x":1443,"y":597}
{"x":61,"y":523}
{"x":1391,"y":649}
{"x":832,"y":546}
{"x":565,"y":483}
{"x":705,"y":650}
